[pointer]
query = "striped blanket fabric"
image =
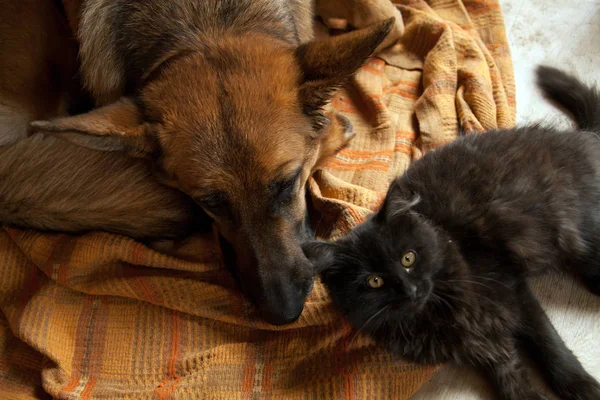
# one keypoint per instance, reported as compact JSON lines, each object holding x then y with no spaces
{"x":101,"y":316}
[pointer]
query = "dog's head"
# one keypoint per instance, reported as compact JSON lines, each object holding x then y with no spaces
{"x":238,"y":126}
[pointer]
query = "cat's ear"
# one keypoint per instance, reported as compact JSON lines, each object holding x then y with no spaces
{"x":397,"y":202}
{"x":320,"y":254}
{"x":399,"y":206}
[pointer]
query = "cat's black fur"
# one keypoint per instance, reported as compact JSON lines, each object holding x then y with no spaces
{"x":482,"y":214}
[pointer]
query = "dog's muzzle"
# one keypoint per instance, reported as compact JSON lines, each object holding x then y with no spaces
{"x":281,"y":287}
{"x":284,"y":300}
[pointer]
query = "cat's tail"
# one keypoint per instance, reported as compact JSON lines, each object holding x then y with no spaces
{"x":579,"y":99}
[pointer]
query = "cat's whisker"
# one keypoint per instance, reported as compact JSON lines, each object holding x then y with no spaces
{"x":327,"y":234}
{"x":463,"y":301}
{"x":402,"y":331}
{"x":382,"y":324}
{"x":471,"y":293}
{"x":458,"y":299}
{"x":319,"y":223}
{"x":471,"y":282}
{"x":366,"y":323}
{"x":400,"y":206}
{"x":439,"y":298}
{"x":496,"y":281}
{"x":389,"y":326}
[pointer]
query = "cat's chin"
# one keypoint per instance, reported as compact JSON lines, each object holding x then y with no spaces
{"x":410,"y":309}
{"x":420,"y":305}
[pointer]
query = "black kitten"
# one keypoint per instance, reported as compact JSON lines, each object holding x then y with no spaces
{"x":438,"y":274}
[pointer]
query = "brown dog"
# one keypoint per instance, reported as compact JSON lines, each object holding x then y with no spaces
{"x":225,"y":98}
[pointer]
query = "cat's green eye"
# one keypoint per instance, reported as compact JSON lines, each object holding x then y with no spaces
{"x":375,"y":281}
{"x":408,"y":259}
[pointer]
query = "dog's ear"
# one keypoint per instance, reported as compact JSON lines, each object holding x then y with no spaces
{"x":327,"y":64}
{"x":116,"y":127}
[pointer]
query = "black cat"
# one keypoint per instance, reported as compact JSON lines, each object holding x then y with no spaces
{"x":439,"y":273}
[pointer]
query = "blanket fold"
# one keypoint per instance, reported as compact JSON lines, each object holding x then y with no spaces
{"x":102,"y":316}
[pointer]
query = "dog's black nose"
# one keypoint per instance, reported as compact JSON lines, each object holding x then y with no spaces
{"x":284,"y":300}
{"x":283,"y":315}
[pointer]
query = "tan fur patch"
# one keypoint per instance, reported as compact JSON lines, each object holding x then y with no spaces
{"x":102,"y":70}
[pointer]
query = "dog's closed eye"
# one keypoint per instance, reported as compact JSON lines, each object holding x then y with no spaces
{"x":215,"y":204}
{"x":283,"y":190}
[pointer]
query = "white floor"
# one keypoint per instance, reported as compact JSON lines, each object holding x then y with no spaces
{"x":564,"y":34}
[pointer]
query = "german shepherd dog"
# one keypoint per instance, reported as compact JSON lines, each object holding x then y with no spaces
{"x":223,"y":100}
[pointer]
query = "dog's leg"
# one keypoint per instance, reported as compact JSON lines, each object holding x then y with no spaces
{"x":337,"y":14}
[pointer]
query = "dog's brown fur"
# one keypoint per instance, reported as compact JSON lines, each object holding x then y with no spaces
{"x":37,"y":65}
{"x":45,"y":181}
{"x":225,"y":98}
{"x":51,"y":184}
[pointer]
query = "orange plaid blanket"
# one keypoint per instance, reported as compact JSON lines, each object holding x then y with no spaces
{"x":101,"y":316}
